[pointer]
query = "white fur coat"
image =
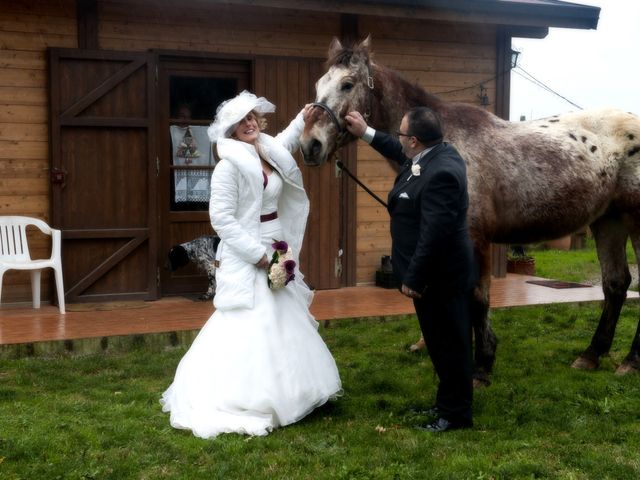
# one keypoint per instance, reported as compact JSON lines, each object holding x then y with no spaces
{"x":236,"y":202}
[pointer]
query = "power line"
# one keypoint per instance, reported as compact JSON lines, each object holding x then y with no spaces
{"x":527,"y":76}
{"x":475,"y":85}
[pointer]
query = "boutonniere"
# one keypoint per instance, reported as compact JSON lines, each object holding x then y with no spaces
{"x":415,"y":170}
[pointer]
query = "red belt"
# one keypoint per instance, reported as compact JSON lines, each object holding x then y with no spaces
{"x":268,"y":217}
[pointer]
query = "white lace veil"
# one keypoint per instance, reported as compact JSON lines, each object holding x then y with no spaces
{"x":230,"y":112}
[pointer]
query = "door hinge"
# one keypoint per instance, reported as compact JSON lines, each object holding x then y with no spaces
{"x":158,"y":277}
{"x":338,"y":265}
{"x":156,"y":79}
{"x":157,"y":167}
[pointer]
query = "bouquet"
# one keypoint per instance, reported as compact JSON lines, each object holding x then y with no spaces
{"x":282,"y":266}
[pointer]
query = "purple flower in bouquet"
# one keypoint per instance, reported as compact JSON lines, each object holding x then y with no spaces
{"x":289,"y":268}
{"x":280,"y":246}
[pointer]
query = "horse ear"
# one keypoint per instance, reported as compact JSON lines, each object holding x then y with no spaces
{"x":335,"y":47}
{"x":365,"y":44}
{"x":362,"y":50}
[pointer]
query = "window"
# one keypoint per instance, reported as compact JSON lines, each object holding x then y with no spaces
{"x":193,"y":103}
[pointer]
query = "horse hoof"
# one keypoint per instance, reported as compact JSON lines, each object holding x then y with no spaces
{"x":419,"y":345}
{"x":625,"y":368}
{"x":582,"y":363}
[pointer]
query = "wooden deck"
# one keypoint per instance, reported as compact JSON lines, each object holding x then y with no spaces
{"x":22,"y":324}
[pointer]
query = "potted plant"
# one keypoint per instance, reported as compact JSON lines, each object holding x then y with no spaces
{"x":519,"y":262}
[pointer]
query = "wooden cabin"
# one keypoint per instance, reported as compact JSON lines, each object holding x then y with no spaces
{"x":97,"y":96}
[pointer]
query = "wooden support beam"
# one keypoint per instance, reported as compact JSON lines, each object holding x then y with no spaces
{"x":349,"y":28}
{"x":87,"y":14}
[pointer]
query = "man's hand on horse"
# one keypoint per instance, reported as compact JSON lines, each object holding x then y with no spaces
{"x":355,"y":123}
{"x":410,"y":293}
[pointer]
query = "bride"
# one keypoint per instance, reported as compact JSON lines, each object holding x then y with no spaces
{"x":259,"y":362}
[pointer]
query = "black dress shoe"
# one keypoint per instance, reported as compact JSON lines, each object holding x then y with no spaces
{"x":443,"y":425}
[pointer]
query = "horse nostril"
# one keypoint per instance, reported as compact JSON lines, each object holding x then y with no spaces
{"x":316,"y":148}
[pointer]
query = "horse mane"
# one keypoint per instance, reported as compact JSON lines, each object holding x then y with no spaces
{"x":348,"y":55}
{"x":342,"y":57}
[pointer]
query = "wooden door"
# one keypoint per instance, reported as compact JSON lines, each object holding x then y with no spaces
{"x":103,"y":173}
{"x":290,"y":84}
{"x":189,"y":92}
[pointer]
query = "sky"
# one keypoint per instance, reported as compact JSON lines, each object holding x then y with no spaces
{"x":591,"y":68}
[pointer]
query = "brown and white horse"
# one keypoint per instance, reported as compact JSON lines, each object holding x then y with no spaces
{"x":528,"y":181}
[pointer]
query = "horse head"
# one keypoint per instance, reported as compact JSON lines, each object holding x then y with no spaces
{"x":346,"y":86}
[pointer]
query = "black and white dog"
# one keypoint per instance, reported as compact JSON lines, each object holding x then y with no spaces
{"x":200,"y":251}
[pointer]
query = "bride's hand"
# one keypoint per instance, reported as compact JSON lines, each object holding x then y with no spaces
{"x":263,"y":263}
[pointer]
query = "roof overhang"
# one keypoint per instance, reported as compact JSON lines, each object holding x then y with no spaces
{"x":525,"y":18}
{"x":538,"y":13}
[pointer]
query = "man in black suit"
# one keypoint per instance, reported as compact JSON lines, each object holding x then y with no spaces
{"x":432,"y":253}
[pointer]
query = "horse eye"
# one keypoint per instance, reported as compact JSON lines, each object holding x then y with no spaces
{"x":346,"y":87}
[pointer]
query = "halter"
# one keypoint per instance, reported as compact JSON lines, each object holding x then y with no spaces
{"x":332,"y":116}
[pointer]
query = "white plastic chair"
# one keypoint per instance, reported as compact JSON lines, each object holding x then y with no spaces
{"x":14,"y":254}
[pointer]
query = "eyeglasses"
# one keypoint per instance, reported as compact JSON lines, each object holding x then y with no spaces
{"x":400,"y":134}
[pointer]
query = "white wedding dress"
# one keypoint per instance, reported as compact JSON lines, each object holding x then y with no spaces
{"x":251,"y":370}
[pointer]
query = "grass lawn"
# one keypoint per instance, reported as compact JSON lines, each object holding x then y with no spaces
{"x":98,"y":417}
{"x":576,"y":265}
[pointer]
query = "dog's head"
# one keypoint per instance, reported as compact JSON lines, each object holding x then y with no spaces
{"x":178,"y":257}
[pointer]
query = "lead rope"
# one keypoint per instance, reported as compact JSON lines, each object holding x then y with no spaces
{"x":343,"y":167}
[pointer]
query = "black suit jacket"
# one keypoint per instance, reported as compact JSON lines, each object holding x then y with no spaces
{"x":431,"y":247}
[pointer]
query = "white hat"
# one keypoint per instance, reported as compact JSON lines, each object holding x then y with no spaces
{"x":230,"y":112}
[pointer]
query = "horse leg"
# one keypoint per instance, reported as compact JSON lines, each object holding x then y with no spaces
{"x":631,"y":362}
{"x":485,"y":339}
{"x":611,"y":237}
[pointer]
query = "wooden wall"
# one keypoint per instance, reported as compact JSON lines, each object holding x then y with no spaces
{"x":445,"y":58}
{"x":201,"y":25}
{"x":27,"y":28}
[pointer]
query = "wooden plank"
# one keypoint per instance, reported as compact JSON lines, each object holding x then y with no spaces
{"x":431,"y":62}
{"x":207,"y":14}
{"x":23,"y":131}
{"x":24,"y":168}
{"x":372,"y":213}
{"x":23,"y":114}
{"x":373,"y":227}
{"x":37,"y":24}
{"x":30,"y":42}
{"x":439,"y":49}
{"x":21,"y":95}
{"x":373,"y":244}
{"x":28,"y":204}
{"x":210,"y":46}
{"x":23,"y":59}
{"x":14,"y":77}
{"x":239,"y":35}
{"x":415,"y":29}
{"x":48,"y":8}
{"x":448,"y":80}
{"x":208,"y":39}
{"x":23,"y":149}
{"x":379,"y":184}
